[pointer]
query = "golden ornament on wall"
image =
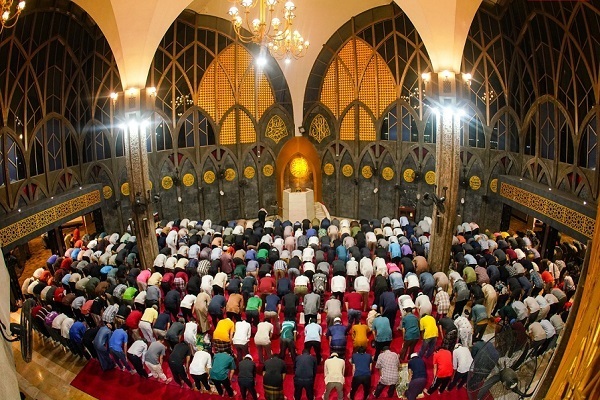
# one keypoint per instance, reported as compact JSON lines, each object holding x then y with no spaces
{"x":107,"y":192}
{"x":209,"y":177}
{"x":409,"y":175}
{"x":249,"y":172}
{"x":475,"y":182}
{"x":367,"y":172}
{"x":268,"y":170}
{"x":125,"y":189}
{"x":167,"y":182}
{"x":494,"y":185}
{"x":347,"y":170}
{"x":299,"y":168}
{"x":150,"y":185}
{"x":329,"y":169}
{"x":188,"y":179}
{"x":229,"y":174}
{"x":387,"y":173}
{"x":430,"y":177}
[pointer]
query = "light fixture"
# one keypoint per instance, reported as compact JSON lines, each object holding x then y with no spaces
{"x":114,"y":96}
{"x":467,"y":78}
{"x":585,"y":203}
{"x":446,"y":74}
{"x":151,"y":91}
{"x":426,"y":76}
{"x":10,"y":13}
{"x":271,"y":28}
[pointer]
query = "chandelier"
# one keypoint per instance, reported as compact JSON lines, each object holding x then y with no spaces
{"x":270,"y":29}
{"x":10,"y":13}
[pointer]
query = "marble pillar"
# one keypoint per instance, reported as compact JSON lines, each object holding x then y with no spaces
{"x":140,"y":190}
{"x":447,"y":175}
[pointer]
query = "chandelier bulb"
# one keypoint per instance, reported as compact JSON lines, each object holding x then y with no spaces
{"x":290,"y":6}
{"x":233,"y":11}
{"x":247,"y":3}
{"x":21,"y":5}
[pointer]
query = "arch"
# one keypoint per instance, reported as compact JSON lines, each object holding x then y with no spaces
{"x":298,"y":145}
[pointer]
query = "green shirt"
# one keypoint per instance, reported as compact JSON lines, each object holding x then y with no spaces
{"x":129,"y":293}
{"x":262,"y":254}
{"x":287,"y":329}
{"x":254,"y":304}
{"x":221,"y":365}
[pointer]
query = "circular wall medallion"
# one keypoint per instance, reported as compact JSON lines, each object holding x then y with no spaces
{"x":188,"y":179}
{"x":229,"y":174}
{"x":347,"y":170}
{"x":107,"y":192}
{"x":167,"y":182}
{"x":125,"y":189}
{"x":268,"y":170}
{"x":329,"y":169}
{"x":150,"y":184}
{"x":367,"y":172}
{"x":475,"y":182}
{"x":209,"y":177}
{"x":409,"y":175}
{"x":249,"y":172}
{"x":430,"y":177}
{"x":494,"y":185}
{"x":299,"y":168}
{"x":387,"y":173}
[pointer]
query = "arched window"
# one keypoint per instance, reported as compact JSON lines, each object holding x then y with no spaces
{"x":430,"y":133}
{"x":102,"y":145}
{"x":505,"y":135}
{"x":410,"y":133}
{"x":71,"y":151}
{"x":162,"y":134}
{"x":88,"y":152}
{"x":530,"y":139}
{"x":54,"y":144}
{"x":196,"y":131}
{"x":36,"y":157}
{"x":389,"y":126}
{"x":474,"y":130}
{"x":588,"y":147}
{"x":120,"y":143}
{"x":566,"y":151}
{"x":15,"y":160}
{"x":547,"y":130}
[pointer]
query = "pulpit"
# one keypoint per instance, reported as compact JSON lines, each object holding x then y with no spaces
{"x":298,"y":205}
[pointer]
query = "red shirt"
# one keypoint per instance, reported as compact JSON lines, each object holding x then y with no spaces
{"x":443,"y":359}
{"x":266,"y":285}
{"x":547,"y":277}
{"x":354,"y":301}
{"x":133,"y":320}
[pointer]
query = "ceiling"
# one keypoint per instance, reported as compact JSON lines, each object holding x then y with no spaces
{"x":442,"y":24}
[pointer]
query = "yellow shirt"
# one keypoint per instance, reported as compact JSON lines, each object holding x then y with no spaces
{"x":428,"y":325}
{"x":155,"y":279}
{"x":224,"y":328}
{"x":150,"y":315}
{"x":359,"y":335}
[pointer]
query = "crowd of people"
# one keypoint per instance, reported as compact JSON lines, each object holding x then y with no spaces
{"x":226,"y":302}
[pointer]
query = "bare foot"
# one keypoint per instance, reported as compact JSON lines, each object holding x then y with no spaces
{"x":168,"y":381}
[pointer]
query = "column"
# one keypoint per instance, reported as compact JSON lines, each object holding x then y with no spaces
{"x":447,"y":172}
{"x":135,"y":103}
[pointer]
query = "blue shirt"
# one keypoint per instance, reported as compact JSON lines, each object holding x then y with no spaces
{"x":342,"y":253}
{"x":394,"y":249}
{"x":271,"y":302}
{"x":388,"y":302}
{"x":417,"y":366}
{"x":396,"y":281}
{"x":410,"y":323}
{"x":312,"y":332}
{"x":382,"y":326}
{"x":117,"y":340}
{"x":337,"y":333}
{"x":76,"y":332}
{"x":221,"y":365}
{"x":362,"y":363}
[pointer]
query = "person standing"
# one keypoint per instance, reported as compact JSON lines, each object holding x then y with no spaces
{"x":305,"y":371}
{"x":442,"y":371}
{"x":417,"y":376}
{"x":334,"y":369}
{"x":383,"y":334}
{"x":199,"y":370}
{"x":262,"y":340}
{"x":387,"y":364}
{"x":148,"y":319}
{"x":410,"y":333}
{"x":312,"y":338}
{"x":201,"y":311}
{"x":154,"y":358}
{"x":240,"y":338}
{"x":223,"y":367}
{"x":135,"y":354}
{"x":247,"y":377}
{"x":179,"y":362}
{"x":288,"y":339}
{"x":361,"y":372}
{"x":442,"y":303}
{"x":273,"y":377}
{"x":461,"y":360}
{"x":117,"y":345}
{"x":429,"y":328}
